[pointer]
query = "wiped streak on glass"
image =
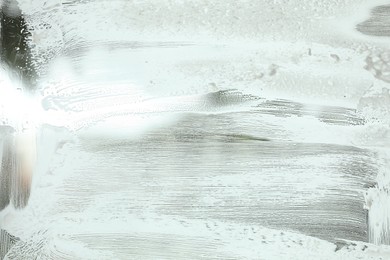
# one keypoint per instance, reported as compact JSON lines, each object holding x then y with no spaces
{"x":204,"y":173}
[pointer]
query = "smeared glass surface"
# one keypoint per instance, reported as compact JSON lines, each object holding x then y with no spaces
{"x":196,"y":129}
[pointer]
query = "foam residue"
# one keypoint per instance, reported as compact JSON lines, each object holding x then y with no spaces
{"x":201,"y":129}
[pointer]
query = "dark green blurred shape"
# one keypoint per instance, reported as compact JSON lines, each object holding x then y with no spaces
{"x":15,"y":51}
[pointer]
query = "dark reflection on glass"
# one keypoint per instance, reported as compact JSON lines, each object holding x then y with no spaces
{"x":15,"y":51}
